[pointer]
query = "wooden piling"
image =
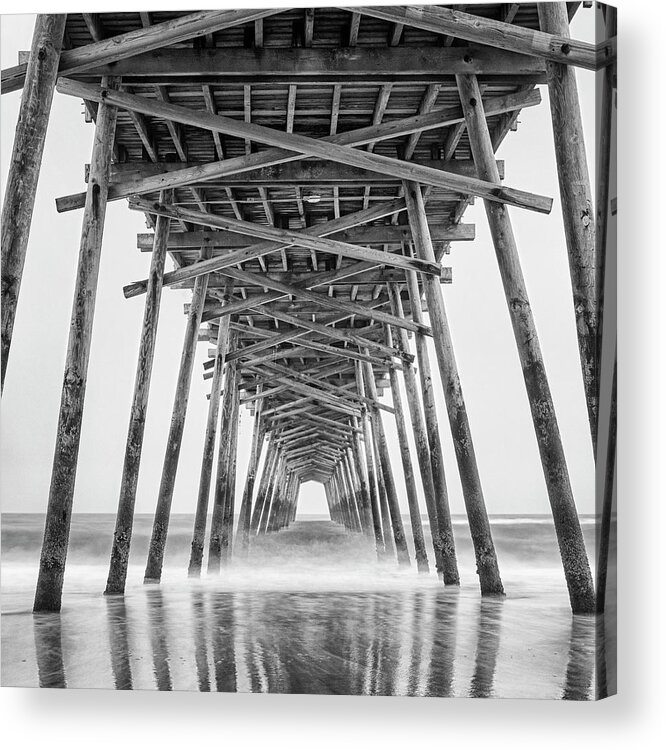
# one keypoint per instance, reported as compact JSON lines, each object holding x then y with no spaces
{"x":227,"y":533}
{"x":270,"y":492}
{"x":444,"y":526}
{"x":262,"y":490}
{"x":199,"y":533}
{"x":418,"y":429}
{"x":577,"y":207}
{"x":153,"y":572}
{"x":122,"y":535}
{"x":25,"y":165}
{"x":484,"y":549}
{"x":387,"y":529}
{"x":48,"y":595}
{"x":221,"y":478}
{"x":408,"y":470}
{"x":385,"y":459}
{"x":567,"y":525}
{"x":245,"y":516}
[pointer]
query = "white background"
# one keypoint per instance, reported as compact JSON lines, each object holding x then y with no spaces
{"x":73,"y":719}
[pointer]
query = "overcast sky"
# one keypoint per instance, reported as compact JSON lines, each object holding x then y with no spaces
{"x":487,"y":358}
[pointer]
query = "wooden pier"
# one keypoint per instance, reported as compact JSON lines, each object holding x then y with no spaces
{"x":307,"y":171}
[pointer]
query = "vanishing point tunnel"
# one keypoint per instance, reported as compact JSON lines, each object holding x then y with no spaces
{"x":306,"y":171}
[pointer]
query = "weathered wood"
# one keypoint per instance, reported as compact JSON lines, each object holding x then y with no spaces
{"x":122,"y":535}
{"x":48,"y":596}
{"x":484,"y":549}
{"x":365,"y":449}
{"x":567,"y":524}
{"x":321,"y":65}
{"x":199,"y":533}
{"x":288,"y":237}
{"x":227,"y":531}
{"x":324,"y":148}
{"x":387,"y":475}
{"x":116,"y":48}
{"x":493,"y":33}
{"x":269,"y":492}
{"x":245,"y":516}
{"x":408,"y":474}
{"x":264,"y":248}
{"x":272,"y":157}
{"x":153,"y":572}
{"x":230,"y":395}
{"x":355,"y":452}
{"x":444,"y":526}
{"x":577,"y":207}
{"x":305,"y":173}
{"x":25,"y":165}
{"x":419,"y":431}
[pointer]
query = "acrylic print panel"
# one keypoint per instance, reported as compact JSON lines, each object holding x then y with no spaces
{"x":335,"y":419}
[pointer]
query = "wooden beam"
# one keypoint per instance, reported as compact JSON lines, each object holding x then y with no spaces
{"x":48,"y":596}
{"x":143,"y":40}
{"x":322,"y":148}
{"x":567,"y":525}
{"x":487,"y":31}
{"x":323,"y":66}
{"x":25,"y":165}
{"x":289,"y":237}
{"x":271,"y":157}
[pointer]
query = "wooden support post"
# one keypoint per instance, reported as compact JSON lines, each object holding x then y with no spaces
{"x":368,"y":494}
{"x":221,"y":479}
{"x":263,"y":486}
{"x":153,"y":572}
{"x":270,"y":492}
{"x":444,"y":526}
{"x":361,"y":495}
{"x":48,"y":595}
{"x":278,"y":499}
{"x":484,"y":549}
{"x":122,"y":535}
{"x":25,"y":165}
{"x":419,"y":430}
{"x":387,"y":530}
{"x":199,"y":534}
{"x":385,"y":459}
{"x":245,"y":516}
{"x":226,"y":538}
{"x":351,"y":493}
{"x":408,"y":472}
{"x":577,"y":207}
{"x":567,"y":524}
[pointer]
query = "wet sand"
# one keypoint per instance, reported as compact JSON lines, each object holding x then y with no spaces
{"x":310,"y":612}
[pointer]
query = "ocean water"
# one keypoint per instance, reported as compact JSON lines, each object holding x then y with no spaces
{"x":310,"y":611}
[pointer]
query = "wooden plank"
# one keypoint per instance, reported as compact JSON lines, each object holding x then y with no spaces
{"x":25,"y":166}
{"x":322,"y":65}
{"x":322,"y":148}
{"x":140,"y":41}
{"x":271,"y":157}
{"x":497,"y":34}
{"x":48,"y":595}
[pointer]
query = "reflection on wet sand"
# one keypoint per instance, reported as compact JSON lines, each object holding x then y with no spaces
{"x":48,"y":647}
{"x":424,"y":642}
{"x":118,"y":642}
{"x":490,"y":615}
{"x":580,"y":667}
